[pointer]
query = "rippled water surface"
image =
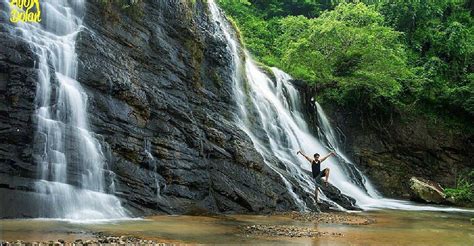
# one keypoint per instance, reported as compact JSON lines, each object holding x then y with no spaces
{"x":391,"y":227}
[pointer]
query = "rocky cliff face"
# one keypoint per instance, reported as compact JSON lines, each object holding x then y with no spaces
{"x":161,"y":82}
{"x":160,"y":102}
{"x":18,"y":78}
{"x":391,"y":151}
{"x":392,"y":154}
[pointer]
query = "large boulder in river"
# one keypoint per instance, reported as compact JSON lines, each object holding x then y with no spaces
{"x":333,"y":193}
{"x":427,"y":191}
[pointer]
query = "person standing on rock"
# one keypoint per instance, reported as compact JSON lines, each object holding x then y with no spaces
{"x":316,"y":169}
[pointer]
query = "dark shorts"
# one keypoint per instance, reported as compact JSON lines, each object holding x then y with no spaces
{"x":318,"y":177}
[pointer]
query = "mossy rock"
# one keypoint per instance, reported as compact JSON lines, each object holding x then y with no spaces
{"x":427,"y":191}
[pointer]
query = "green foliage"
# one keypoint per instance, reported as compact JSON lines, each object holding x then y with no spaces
{"x":350,"y":49}
{"x":464,"y":190}
{"x":278,"y":8}
{"x":377,"y":56}
{"x":440,"y":33}
{"x":258,"y":33}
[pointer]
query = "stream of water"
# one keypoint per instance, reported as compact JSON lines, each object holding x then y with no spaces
{"x":269,"y":111}
{"x":71,"y":165}
{"x":391,"y":228}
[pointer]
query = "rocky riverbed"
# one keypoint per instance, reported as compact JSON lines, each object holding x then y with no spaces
{"x":331,"y":218}
{"x":100,"y":239}
{"x":305,"y":231}
{"x":255,"y":226}
{"x":365,"y":228}
{"x":286,"y":231}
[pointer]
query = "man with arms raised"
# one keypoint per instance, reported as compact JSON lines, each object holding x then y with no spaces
{"x":316,"y":169}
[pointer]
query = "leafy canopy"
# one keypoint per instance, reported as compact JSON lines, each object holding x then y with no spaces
{"x":351,"y":49}
{"x":387,"y":55}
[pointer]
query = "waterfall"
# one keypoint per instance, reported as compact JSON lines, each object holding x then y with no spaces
{"x":71,"y":166}
{"x":153,"y":166}
{"x":269,"y":111}
{"x":276,"y":108}
{"x":327,"y":132}
{"x":239,"y":91}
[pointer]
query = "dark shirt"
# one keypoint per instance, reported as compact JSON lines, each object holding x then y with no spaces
{"x":315,"y":168}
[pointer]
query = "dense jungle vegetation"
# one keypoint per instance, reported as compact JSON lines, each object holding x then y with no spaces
{"x":377,"y":57}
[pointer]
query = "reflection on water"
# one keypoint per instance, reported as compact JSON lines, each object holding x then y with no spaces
{"x":392,"y":227}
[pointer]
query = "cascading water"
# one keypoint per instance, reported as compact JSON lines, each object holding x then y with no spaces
{"x":270,"y":113}
{"x":273,"y":122}
{"x":223,"y":26}
{"x":327,"y":132}
{"x":153,"y":166}
{"x":72,"y":178}
{"x":277,"y":110}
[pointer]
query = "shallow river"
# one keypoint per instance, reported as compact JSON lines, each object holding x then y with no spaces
{"x":391,"y":227}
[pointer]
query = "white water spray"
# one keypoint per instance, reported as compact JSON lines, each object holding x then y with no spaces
{"x":270,"y":113}
{"x":223,"y":26}
{"x":71,"y":165}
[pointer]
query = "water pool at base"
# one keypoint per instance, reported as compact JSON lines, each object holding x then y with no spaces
{"x":391,"y":227}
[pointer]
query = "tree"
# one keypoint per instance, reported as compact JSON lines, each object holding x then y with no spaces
{"x":351,"y":49}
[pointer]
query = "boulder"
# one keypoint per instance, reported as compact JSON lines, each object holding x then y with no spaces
{"x":333,"y":193}
{"x":427,"y":191}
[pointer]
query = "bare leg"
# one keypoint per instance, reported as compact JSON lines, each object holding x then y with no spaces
{"x":327,"y":176}
{"x":316,"y":193}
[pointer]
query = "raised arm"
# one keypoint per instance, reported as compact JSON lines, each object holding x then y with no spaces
{"x":327,"y":156}
{"x":307,"y":158}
